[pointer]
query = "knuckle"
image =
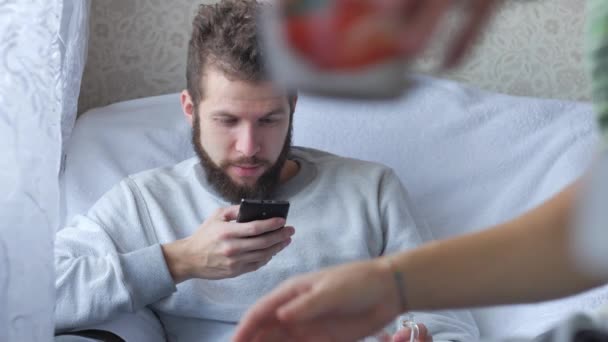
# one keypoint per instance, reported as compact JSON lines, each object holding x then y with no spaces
{"x":266,"y":259}
{"x":282,"y":242}
{"x":263,"y":257}
{"x":271,"y":245}
{"x":223,"y":235}
{"x":267,"y":243}
{"x":219,"y":212}
{"x":235,"y":268}
{"x":231,"y":264}
{"x":228,"y":251}
{"x":284,"y":238}
{"x":254,"y":229}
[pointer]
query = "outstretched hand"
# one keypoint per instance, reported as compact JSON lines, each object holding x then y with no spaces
{"x":341,"y":303}
{"x":422,"y":17}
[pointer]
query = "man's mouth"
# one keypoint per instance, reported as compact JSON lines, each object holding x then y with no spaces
{"x":248,"y":170}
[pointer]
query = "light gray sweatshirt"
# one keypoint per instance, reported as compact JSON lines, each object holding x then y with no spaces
{"x":110,"y":261}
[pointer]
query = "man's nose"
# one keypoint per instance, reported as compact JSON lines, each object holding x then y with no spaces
{"x":247,"y":143}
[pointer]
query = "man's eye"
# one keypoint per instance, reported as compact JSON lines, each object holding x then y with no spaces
{"x":227,"y":121}
{"x":268,"y":121}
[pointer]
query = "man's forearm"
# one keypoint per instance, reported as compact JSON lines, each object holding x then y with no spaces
{"x":526,"y":259}
{"x":92,"y":288}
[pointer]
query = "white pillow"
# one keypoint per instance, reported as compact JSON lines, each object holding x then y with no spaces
{"x":469,"y":158}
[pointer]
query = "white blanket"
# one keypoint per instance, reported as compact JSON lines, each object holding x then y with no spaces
{"x":469,"y":158}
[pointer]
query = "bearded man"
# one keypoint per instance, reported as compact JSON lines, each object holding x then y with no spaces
{"x":142,"y":245}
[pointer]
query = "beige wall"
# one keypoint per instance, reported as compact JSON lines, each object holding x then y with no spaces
{"x":532,"y":48}
{"x":137,"y":48}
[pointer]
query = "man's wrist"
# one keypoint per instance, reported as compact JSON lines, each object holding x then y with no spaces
{"x":176,"y":263}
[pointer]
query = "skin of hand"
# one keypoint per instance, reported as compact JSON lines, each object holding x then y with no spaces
{"x":359,"y":299}
{"x":403,"y":335}
{"x":222,"y":248}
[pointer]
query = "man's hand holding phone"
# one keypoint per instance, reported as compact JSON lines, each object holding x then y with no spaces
{"x":223,"y":248}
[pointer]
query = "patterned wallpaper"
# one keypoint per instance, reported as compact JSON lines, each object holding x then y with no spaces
{"x":138,"y":47}
{"x":532,"y":48}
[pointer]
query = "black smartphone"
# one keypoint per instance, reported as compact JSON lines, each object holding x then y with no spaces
{"x":254,"y":210}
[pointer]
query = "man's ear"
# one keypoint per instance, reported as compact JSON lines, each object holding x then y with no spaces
{"x":187,"y":106}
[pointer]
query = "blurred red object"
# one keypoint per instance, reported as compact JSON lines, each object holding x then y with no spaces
{"x":341,"y":35}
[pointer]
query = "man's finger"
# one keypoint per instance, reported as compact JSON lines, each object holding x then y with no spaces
{"x":228,"y":213}
{"x":256,"y":265}
{"x":262,"y":254}
{"x":264,"y":241}
{"x":255,"y":228}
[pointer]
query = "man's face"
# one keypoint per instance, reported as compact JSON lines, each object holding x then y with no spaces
{"x":241,"y":132}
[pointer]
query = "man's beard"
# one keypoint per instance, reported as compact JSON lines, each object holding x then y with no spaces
{"x":224,"y":185}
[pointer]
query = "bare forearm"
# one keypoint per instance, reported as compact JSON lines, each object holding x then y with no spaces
{"x":524,"y":260}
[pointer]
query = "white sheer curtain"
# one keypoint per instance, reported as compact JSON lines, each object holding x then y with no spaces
{"x":36,"y":46}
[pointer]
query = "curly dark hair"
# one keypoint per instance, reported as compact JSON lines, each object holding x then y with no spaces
{"x":224,"y":35}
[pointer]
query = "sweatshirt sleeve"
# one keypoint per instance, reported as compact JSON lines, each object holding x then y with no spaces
{"x":402,"y":227}
{"x":108,"y":261}
{"x":403,"y":230}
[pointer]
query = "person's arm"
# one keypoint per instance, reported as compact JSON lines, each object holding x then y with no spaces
{"x":523,"y":260}
{"x":422,"y":18}
{"x":404,"y":230}
{"x":111,"y":261}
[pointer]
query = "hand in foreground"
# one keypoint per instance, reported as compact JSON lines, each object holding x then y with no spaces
{"x":422,"y":17}
{"x":341,"y":303}
{"x":222,"y":248}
